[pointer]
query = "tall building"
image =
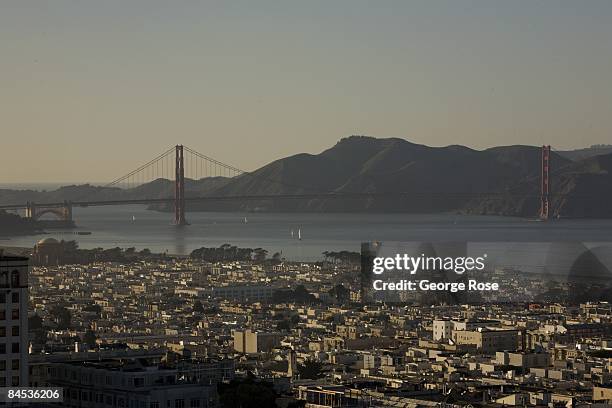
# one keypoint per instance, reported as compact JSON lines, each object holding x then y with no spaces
{"x":13,"y":321}
{"x":251,"y":342}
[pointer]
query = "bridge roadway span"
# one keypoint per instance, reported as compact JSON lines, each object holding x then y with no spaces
{"x":307,"y":196}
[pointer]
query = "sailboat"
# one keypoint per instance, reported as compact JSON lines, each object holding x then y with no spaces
{"x":133,"y":218}
{"x":292,"y":235}
{"x":245,"y":220}
{"x":300,"y":234}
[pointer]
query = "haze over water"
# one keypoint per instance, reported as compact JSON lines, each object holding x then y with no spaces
{"x":135,"y":226}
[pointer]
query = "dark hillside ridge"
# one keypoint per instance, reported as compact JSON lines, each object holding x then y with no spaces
{"x":502,"y":180}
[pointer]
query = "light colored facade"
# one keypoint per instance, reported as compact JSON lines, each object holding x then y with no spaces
{"x":602,"y":394}
{"x":13,"y":321}
{"x":487,"y":341}
{"x":250,"y":342}
{"x":442,"y":329}
{"x":523,"y":360}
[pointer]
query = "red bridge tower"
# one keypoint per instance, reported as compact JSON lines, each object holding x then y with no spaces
{"x":545,"y":187}
{"x":179,"y":188}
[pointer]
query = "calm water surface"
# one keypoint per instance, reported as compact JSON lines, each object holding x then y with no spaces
{"x":127,"y":226}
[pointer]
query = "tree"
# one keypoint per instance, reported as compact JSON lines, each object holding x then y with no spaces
{"x":295,"y":319}
{"x":35,"y":323}
{"x":301,"y":295}
{"x":62,"y":317}
{"x":70,"y":246}
{"x":90,"y":338}
{"x":283,"y":325}
{"x":40,"y":336}
{"x":310,"y":370}
{"x":259,"y":254}
{"x":341,"y":293}
{"x":198,"y":307}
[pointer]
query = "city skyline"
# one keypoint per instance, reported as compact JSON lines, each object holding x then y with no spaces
{"x":90,"y":85}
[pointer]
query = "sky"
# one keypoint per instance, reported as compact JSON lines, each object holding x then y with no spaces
{"x":91,"y":89}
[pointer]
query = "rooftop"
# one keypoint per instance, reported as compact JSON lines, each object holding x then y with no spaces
{"x":8,"y":258}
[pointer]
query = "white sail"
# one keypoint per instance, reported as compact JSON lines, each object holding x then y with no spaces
{"x":300,"y":234}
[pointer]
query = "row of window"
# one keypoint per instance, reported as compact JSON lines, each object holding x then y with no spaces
{"x":14,"y":314}
{"x":14,"y":279}
{"x":13,"y":330}
{"x":122,"y":403}
{"x":14,"y":364}
{"x":14,"y":348}
{"x":13,"y":383}
{"x":14,"y":297}
{"x":180,"y":403}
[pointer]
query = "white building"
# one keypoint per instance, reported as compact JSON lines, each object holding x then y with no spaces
{"x":442,"y":329}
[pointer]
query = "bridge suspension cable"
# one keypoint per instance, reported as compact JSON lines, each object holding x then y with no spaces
{"x":181,"y":165}
{"x":198,"y":161}
{"x":138,"y":171}
{"x":196,"y":166}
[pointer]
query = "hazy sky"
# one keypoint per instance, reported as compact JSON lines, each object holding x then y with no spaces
{"x":91,"y":89}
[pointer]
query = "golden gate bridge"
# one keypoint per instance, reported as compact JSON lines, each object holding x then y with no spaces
{"x":174,"y":162}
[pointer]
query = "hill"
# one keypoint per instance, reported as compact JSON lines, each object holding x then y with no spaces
{"x":502,"y":180}
{"x":581,"y":154}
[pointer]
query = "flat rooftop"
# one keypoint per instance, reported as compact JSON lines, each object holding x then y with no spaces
{"x":5,"y":258}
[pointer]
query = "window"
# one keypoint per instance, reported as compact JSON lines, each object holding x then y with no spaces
{"x":2,"y":381}
{"x":15,"y":381}
{"x":2,"y":297}
{"x":15,"y":314}
{"x":15,"y":331}
{"x":154,"y":405}
{"x":15,"y":348}
{"x":179,"y":403}
{"x":15,"y":364}
{"x":2,"y":365}
{"x":2,"y":348}
{"x":15,"y":297}
{"x":2,"y":331}
{"x":4,"y":282}
{"x":15,"y":279}
{"x":195,"y":403}
{"x":2,"y":314}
